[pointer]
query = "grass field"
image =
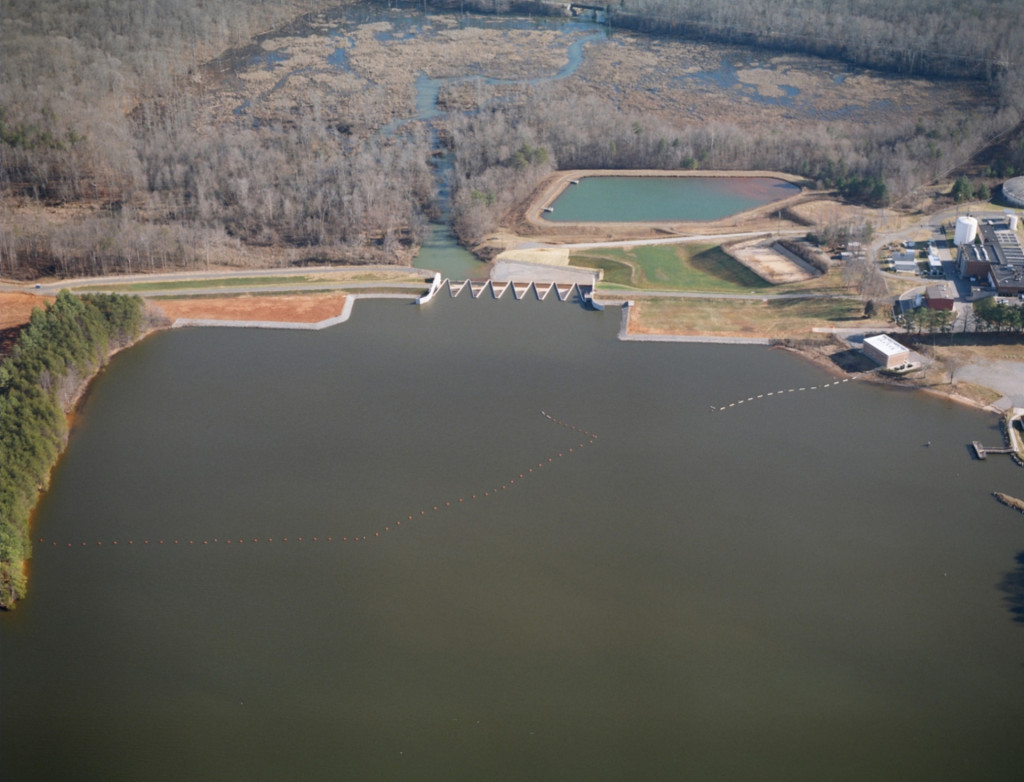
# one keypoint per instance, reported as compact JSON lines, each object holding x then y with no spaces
{"x":772,"y":318}
{"x":702,"y":268}
{"x":185,"y":285}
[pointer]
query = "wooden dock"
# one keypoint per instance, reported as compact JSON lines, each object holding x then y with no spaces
{"x":981,"y":451}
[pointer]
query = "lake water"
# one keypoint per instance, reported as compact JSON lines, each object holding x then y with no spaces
{"x":613,"y":199}
{"x":795,"y":588}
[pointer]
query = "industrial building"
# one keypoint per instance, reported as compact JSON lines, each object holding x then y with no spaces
{"x":997,"y":259}
{"x":886,"y":352}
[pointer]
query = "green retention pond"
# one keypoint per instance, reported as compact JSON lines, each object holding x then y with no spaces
{"x":626,"y":199}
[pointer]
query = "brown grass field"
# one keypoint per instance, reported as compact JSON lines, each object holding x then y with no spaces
{"x":291,"y":308}
{"x":766,"y":318}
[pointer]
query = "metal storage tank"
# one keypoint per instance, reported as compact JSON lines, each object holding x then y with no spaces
{"x":1013,"y":190}
{"x":966,"y":230}
{"x":1011,"y":220}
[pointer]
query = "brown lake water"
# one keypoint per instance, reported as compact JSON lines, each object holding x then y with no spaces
{"x":795,"y":588}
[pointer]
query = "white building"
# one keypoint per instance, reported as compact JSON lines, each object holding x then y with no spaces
{"x":886,"y":352}
{"x":905,"y":261}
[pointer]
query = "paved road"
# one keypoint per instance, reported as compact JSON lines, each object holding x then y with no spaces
{"x":1006,"y":377}
{"x":52,"y":288}
{"x":661,"y":240}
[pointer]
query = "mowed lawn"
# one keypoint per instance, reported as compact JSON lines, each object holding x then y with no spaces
{"x":770,"y":318}
{"x":703,"y":268}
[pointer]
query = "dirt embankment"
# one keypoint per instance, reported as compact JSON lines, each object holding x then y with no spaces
{"x":16,"y":310}
{"x":297,"y":308}
{"x":527,"y":221}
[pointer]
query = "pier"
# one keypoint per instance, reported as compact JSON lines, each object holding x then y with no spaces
{"x":982,"y":451}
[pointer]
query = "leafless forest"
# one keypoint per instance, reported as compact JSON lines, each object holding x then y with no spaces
{"x":115,"y":156}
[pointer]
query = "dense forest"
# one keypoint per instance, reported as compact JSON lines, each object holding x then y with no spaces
{"x":55,"y":354}
{"x":102,"y":106}
{"x":558,"y":128}
{"x":110,"y":161}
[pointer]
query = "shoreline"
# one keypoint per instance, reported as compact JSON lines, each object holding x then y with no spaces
{"x":528,"y":222}
{"x":812,"y":355}
{"x":157,"y":322}
{"x":70,"y":411}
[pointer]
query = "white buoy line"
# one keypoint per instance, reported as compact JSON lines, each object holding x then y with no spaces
{"x":374,"y":531}
{"x":780,"y":392}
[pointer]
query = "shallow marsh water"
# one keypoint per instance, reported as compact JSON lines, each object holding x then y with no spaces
{"x":793,"y":589}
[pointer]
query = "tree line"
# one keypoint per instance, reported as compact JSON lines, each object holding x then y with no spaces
{"x":54,"y":356}
{"x":872,"y":165}
{"x":933,"y":38}
{"x":993,"y":315}
{"x":103,"y":103}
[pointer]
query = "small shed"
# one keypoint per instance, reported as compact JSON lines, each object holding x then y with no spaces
{"x":939,"y":296}
{"x":886,"y":352}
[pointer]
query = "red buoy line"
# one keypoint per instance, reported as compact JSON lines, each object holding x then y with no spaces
{"x":132,"y":542}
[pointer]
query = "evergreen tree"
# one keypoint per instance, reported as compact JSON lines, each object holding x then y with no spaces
{"x":63,"y":344}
